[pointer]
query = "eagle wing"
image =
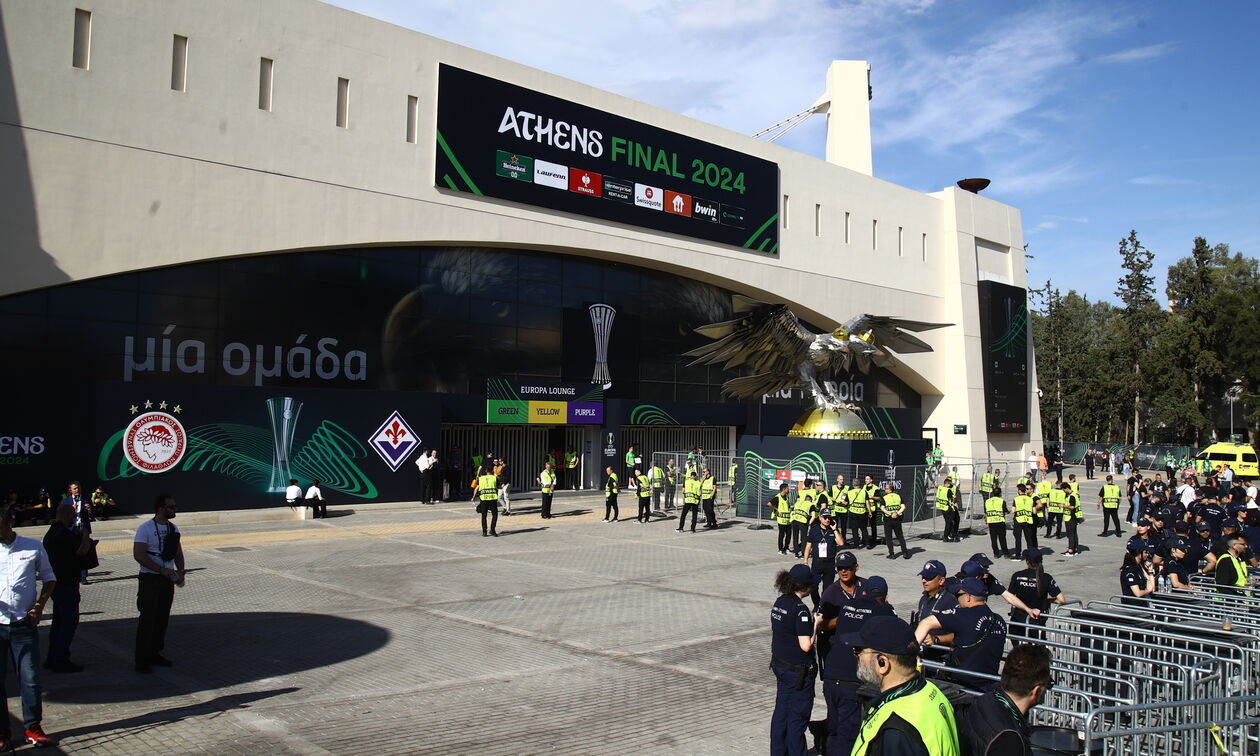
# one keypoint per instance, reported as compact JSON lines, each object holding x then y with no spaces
{"x":891,"y":333}
{"x":767,"y":338}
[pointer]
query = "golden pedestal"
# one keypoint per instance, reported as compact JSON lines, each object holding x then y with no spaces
{"x":825,"y":423}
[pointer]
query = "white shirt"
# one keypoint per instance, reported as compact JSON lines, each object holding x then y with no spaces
{"x":23,"y":562}
{"x":424,"y":463}
{"x":154,"y":536}
{"x":1227,"y":475}
{"x":1251,"y":497}
{"x":292,"y":493}
{"x":1187,"y":493}
{"x":314,"y":493}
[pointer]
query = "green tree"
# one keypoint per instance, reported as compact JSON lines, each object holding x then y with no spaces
{"x":1139,"y":319}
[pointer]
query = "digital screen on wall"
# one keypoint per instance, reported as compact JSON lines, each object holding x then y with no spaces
{"x":496,"y":139}
{"x":1004,"y":343}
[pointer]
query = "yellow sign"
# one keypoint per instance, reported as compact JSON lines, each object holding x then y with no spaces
{"x":548,"y":412}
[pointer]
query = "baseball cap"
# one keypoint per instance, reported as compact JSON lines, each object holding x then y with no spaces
{"x":875,"y":586}
{"x":1136,"y":544}
{"x":982,"y":559}
{"x":1229,"y":524}
{"x":1177,"y":543}
{"x":846,"y":559}
{"x":825,"y":513}
{"x":1181,"y":526}
{"x":1163,"y":514}
{"x":887,"y":635}
{"x":801,"y":573}
{"x":972,"y":569}
{"x":1144,"y":523}
{"x":1032,"y":555}
{"x":1201,"y":525}
{"x":933,"y":569}
{"x":972,"y":586}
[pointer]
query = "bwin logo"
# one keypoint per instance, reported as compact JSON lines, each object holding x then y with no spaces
{"x":709,"y":212}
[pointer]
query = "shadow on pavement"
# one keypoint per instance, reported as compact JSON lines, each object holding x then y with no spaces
{"x":211,"y":652}
{"x":107,"y":731}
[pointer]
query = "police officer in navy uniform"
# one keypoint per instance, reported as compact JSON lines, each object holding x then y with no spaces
{"x":975,"y":634}
{"x":1036,"y":588}
{"x":848,"y":587}
{"x":820,"y":547}
{"x":840,"y":681}
{"x":793,"y":632}
{"x":1137,"y":574}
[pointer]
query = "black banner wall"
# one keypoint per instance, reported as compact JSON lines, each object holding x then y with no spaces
{"x":497,"y":139}
{"x":1004,"y":343}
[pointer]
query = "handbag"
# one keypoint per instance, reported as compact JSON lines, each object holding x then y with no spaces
{"x":90,"y":560}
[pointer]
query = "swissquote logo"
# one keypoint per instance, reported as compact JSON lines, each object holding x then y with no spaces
{"x":648,"y":196}
{"x":154,"y":442}
{"x":394,"y":441}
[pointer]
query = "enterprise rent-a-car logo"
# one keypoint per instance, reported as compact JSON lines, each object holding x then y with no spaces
{"x":602,"y":165}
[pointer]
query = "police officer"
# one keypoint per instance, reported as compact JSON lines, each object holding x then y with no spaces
{"x":1037,"y":589}
{"x":911,"y":714}
{"x":934,"y":596}
{"x":1109,"y":502}
{"x":802,"y":513}
{"x":947,"y":503}
{"x":644,"y":491}
{"x":793,"y":632}
{"x":1173,"y":568}
{"x":839,"y":670}
{"x":975,"y":634}
{"x":894,"y":511}
{"x":611,"y":489}
{"x":691,"y":501}
{"x":1025,"y":518}
{"x":547,"y":484}
{"x":1137,"y":574}
{"x":782,"y":512}
{"x":488,"y":501}
{"x":820,"y":552}
{"x":995,"y":518}
{"x":847,"y":588}
{"x":708,"y":492}
{"x":656,"y":481}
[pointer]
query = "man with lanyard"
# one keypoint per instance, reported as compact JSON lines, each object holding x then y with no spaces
{"x":859,"y":513}
{"x":947,"y":503}
{"x":547,"y":482}
{"x":893,"y":510}
{"x":1025,"y":519}
{"x":848,"y":586}
{"x":911,"y":715}
{"x":1231,"y":571}
{"x":1109,"y":503}
{"x":996,"y":723}
{"x":995,"y":518}
{"x":820,"y":553}
{"x":691,"y":501}
{"x":643,"y":490}
{"x":802,"y":514}
{"x":156,"y":547}
{"x":671,"y":484}
{"x":23,"y":562}
{"x":975,"y":634}
{"x":839,"y":670}
{"x":708,"y":492}
{"x":488,"y":502}
{"x":656,"y":482}
{"x":782,"y":510}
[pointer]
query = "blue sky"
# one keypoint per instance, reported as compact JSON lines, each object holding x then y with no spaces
{"x":1092,"y":118}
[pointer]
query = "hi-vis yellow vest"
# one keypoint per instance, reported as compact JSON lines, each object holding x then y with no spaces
{"x":611,"y":487}
{"x":926,"y":710}
{"x":1024,"y":510}
{"x":488,"y":488}
{"x":803,"y":507}
{"x":782,"y":509}
{"x":691,"y":491}
{"x":892,"y":502}
{"x":1072,"y":508}
{"x":548,"y":479}
{"x":645,"y":489}
{"x":986,"y":482}
{"x":1057,"y":500}
{"x":993,"y":507}
{"x":1111,"y":497}
{"x":707,"y":488}
{"x":1044,"y":488}
{"x":858,"y":498}
{"x":944,"y":497}
{"x":1240,"y":569}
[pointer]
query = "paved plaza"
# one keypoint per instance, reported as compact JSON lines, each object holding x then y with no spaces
{"x":400,"y":629}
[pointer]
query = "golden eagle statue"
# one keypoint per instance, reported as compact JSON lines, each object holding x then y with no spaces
{"x":782,"y":354}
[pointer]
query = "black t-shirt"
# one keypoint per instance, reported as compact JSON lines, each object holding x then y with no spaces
{"x":1132,"y":577}
{"x":61,"y":544}
{"x":1037,"y":595}
{"x":1196,"y":550}
{"x":929,"y":604}
{"x":840,"y":663}
{"x":824,"y":546}
{"x":789,"y":621}
{"x":1173,"y":567}
{"x":979,"y":637}
{"x":836,"y":596}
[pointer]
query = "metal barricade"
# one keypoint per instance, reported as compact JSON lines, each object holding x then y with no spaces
{"x":719,"y":462}
{"x":1221,"y":726}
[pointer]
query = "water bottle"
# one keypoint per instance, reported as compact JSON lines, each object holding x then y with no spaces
{"x":1162,"y":584}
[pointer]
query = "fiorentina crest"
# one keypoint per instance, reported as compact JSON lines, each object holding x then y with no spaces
{"x":394,"y":441}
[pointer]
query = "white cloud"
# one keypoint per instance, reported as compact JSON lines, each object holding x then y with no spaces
{"x":1134,"y":54}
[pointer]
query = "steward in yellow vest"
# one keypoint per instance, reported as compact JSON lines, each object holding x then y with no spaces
{"x":995,"y":516}
{"x":987,"y":481}
{"x":1025,"y":519}
{"x":547,"y":482}
{"x":782,"y":513}
{"x":488,"y":494}
{"x":894,"y":512}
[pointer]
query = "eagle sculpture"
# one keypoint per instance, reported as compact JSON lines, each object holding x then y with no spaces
{"x":782,"y":354}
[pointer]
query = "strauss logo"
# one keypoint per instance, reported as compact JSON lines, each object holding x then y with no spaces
{"x":395,"y":432}
{"x":586,"y":179}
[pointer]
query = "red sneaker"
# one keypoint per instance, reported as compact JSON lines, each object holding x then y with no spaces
{"x":35,"y":736}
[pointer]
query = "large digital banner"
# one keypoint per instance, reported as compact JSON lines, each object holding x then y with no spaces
{"x":1004,"y":343}
{"x":496,"y":139}
{"x":544,"y":403}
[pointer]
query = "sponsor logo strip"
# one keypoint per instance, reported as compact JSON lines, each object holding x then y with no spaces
{"x":551,"y":174}
{"x":514,"y":166}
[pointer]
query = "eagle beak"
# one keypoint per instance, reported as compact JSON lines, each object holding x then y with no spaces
{"x":840,"y":334}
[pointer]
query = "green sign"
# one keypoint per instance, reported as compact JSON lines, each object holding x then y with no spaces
{"x":506,"y":411}
{"x":960,"y":430}
{"x":514,"y":166}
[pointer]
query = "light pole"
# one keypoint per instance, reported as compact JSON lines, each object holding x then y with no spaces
{"x":1232,"y":395}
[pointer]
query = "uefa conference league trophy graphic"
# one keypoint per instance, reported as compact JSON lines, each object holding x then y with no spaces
{"x":602,"y":316}
{"x":283,"y":412}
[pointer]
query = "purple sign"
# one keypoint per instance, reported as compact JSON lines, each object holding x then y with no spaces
{"x":591,"y":413}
